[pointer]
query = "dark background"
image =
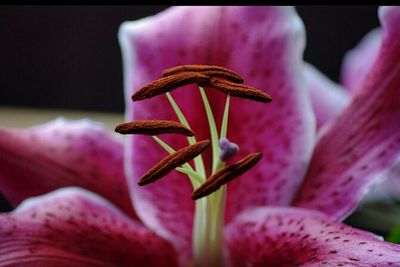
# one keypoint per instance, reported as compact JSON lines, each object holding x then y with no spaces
{"x":69,"y":57}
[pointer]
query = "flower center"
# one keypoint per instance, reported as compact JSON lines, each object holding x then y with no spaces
{"x":209,"y":193}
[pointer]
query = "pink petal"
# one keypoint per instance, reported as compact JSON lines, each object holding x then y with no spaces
{"x":73,"y":227}
{"x":364,"y":141}
{"x":264,"y":44}
{"x":328,"y":98}
{"x":62,"y":153}
{"x":358,"y":61}
{"x":177,"y":36}
{"x":297,"y":237}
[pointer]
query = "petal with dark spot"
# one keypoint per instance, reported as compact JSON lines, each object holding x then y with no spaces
{"x":297,"y":237}
{"x":264,"y":45}
{"x":62,"y":153}
{"x":73,"y":227}
{"x":363,"y":143}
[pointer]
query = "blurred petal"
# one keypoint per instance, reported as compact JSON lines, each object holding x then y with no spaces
{"x":265,"y":45}
{"x":73,"y":227}
{"x":387,"y":190}
{"x":364,"y":141}
{"x":328,"y":98}
{"x":391,"y":186}
{"x":297,"y":237}
{"x":358,"y":61}
{"x":62,"y":153}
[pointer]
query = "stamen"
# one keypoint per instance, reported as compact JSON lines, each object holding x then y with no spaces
{"x":173,"y":161}
{"x":153,"y":127}
{"x":228,"y":149}
{"x":226,"y":174}
{"x":239,"y":90}
{"x":169,"y":83}
{"x":209,"y":70}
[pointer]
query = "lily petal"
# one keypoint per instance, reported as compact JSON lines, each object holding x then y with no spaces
{"x":358,"y":61}
{"x":176,"y":36}
{"x":62,"y":153}
{"x":73,"y":227}
{"x":363,"y":143}
{"x":264,"y":45}
{"x":298,"y":237}
{"x":328,"y":98}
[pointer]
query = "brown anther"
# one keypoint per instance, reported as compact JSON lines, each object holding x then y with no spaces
{"x":239,"y":90}
{"x":169,"y":83}
{"x":226,"y":174}
{"x":153,"y":127}
{"x":209,"y":70}
{"x":173,"y":161}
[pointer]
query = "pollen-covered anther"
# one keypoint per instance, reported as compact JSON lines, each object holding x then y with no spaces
{"x":226,"y":174}
{"x":173,"y":161}
{"x":239,"y":90}
{"x":153,"y":127}
{"x":169,"y":83}
{"x":209,"y":70}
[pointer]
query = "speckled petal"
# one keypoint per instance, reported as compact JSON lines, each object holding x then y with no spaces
{"x":358,"y":61}
{"x":364,"y":141}
{"x":265,"y":45}
{"x":328,"y":98}
{"x":62,"y":153}
{"x":73,"y":227}
{"x":297,"y":237}
{"x":176,"y":36}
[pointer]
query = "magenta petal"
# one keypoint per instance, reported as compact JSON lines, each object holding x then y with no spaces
{"x":73,"y":227}
{"x":179,"y":35}
{"x":265,"y":45}
{"x":297,"y":237}
{"x":364,"y":141}
{"x":62,"y":153}
{"x":358,"y":61}
{"x":328,"y":98}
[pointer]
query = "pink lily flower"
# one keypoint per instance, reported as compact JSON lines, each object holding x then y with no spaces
{"x":286,"y":211}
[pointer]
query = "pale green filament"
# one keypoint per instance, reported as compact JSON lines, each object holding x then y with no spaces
{"x":195,"y":178}
{"x":213,"y":130}
{"x":209,"y":211}
{"x":224,"y":126}
{"x":219,"y":201}
{"x":198,"y":161}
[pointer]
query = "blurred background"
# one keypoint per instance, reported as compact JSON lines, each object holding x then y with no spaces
{"x":68,"y":57}
{"x":55,"y":58}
